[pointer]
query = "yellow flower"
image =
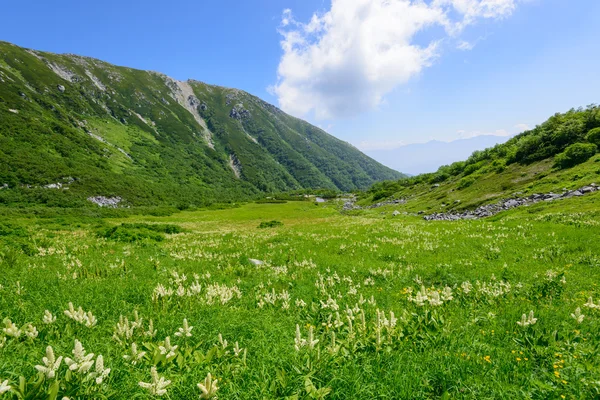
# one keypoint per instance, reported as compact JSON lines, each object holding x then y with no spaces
{"x":518,"y":359}
{"x":487,"y":359}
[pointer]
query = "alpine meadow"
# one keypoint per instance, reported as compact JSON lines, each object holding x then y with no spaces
{"x":173,"y":239}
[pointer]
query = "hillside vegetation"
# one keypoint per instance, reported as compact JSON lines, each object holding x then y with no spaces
{"x":560,"y":153}
{"x":73,"y":127}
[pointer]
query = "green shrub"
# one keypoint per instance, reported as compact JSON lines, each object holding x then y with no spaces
{"x":270,"y":224}
{"x":575,"y":154}
{"x":138,"y":232}
{"x":465,"y":182}
{"x":593,"y":136}
{"x":270,"y":201}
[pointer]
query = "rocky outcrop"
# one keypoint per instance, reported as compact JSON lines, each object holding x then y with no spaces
{"x":350,"y":204}
{"x":507,"y":204}
{"x":239,"y":112}
{"x":111,"y":202}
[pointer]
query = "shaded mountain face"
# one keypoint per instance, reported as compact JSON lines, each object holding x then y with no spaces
{"x":73,"y":127}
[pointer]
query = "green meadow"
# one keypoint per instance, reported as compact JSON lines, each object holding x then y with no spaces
{"x":323,"y":305}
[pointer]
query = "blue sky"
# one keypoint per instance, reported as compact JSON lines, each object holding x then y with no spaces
{"x":373,"y":74}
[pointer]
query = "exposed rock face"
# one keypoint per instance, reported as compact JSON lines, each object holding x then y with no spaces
{"x":102,"y":201}
{"x":239,"y":112}
{"x":183,"y":93}
{"x":235,"y":166}
{"x":493,"y":209}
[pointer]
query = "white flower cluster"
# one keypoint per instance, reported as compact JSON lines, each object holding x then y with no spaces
{"x":158,"y":385}
{"x":432,"y":296}
{"x":578,"y":316}
{"x":590,"y":304}
{"x":213,"y":293}
{"x":126,"y":330}
{"x":272,"y":297}
{"x":310,"y":342}
{"x":87,"y":319}
{"x":12,"y":330}
{"x":527,"y":320}
{"x":82,"y":364}
{"x":51,"y":364}
{"x":208,"y":387}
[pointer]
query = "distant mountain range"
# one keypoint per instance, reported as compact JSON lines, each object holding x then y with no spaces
{"x":426,"y":157}
{"x":74,"y":127}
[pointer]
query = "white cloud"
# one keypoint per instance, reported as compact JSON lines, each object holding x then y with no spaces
{"x":522,"y":127}
{"x":465,"y":46}
{"x":344,"y":61}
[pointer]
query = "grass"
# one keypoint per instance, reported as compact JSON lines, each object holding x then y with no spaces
{"x":316,"y":266}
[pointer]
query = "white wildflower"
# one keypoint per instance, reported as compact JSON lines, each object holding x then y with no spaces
{"x":11,"y":329}
{"x":48,"y":318}
{"x":167,"y":349}
{"x":4,"y":387}
{"x":30,"y":331}
{"x":466,"y":287}
{"x":151,"y":332}
{"x":82,"y":362}
{"x":208,"y":387}
{"x":298,"y":341}
{"x":237,"y":350}
{"x":134,"y":356}
{"x":578,"y":316}
{"x":434,"y":299}
{"x":100,"y":373}
{"x":590,"y":304}
{"x":527,"y":320}
{"x":158,"y":385}
{"x":447,"y":294}
{"x":51,"y":364}
{"x":223,"y":342}
{"x":186,"y":330}
{"x":311,"y":342}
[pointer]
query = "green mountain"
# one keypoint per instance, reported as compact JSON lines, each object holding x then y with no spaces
{"x":73,"y":127}
{"x":560,"y":153}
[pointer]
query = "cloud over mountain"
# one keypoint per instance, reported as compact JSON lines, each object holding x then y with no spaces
{"x":347,"y":59}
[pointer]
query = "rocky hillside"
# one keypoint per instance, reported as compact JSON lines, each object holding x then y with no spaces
{"x":74,"y":127}
{"x":557,"y":159}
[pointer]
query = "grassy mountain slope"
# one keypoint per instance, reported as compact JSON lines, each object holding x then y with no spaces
{"x":560,"y":153}
{"x":99,"y":129}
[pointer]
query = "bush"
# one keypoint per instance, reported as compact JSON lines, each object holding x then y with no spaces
{"x":130,"y":233}
{"x":575,"y":154}
{"x":270,"y":224}
{"x":465,"y":182}
{"x":593,"y":136}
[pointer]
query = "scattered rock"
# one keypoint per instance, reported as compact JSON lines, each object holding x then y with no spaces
{"x":255,"y":262}
{"x":395,"y":213}
{"x":503,"y":205}
{"x":102,"y":201}
{"x":61,"y":88}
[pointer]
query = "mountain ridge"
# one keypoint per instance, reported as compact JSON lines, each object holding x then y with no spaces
{"x":124,"y":131}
